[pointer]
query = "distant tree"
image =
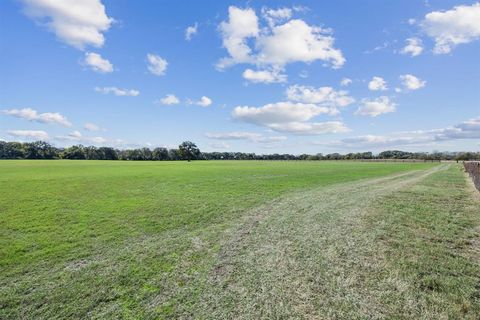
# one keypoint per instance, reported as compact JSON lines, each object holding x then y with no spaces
{"x":12,"y":150}
{"x":134,"y":154}
{"x":108,"y":153}
{"x":91,"y":153}
{"x":160,"y":154}
{"x":39,"y":150}
{"x":367,"y":155}
{"x":189,"y":151}
{"x":74,"y":152}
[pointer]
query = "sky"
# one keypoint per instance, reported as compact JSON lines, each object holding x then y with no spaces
{"x":250,"y":76}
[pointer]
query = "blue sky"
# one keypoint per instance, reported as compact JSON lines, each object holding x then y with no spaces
{"x":255,"y":76}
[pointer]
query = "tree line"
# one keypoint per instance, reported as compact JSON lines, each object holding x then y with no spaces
{"x":189,"y":151}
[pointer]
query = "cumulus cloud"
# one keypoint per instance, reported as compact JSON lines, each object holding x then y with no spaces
{"x":243,"y":135}
{"x":345,"y":82}
{"x":324,"y":96}
{"x":289,"y":117}
{"x":117,"y":91}
{"x":32,"y":115}
{"x":241,"y":25}
{"x":204,"y":101}
{"x":92,"y":127}
{"x":281,"y":42}
{"x":29,"y":134}
{"x":77,"y":23}
{"x":97,"y":63}
{"x":411,"y":82}
{"x":376,"y":107}
{"x":377,"y":83}
{"x":275,"y":16}
{"x":459,"y":25}
{"x":296,"y":114}
{"x":156,"y":64}
{"x":469,"y":129}
{"x":280,"y":112}
{"x":169,"y":99}
{"x":296,"y":41}
{"x":191,"y":31}
{"x":414,"y":47}
{"x":264,"y":76}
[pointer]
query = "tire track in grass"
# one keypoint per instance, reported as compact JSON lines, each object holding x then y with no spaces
{"x":304,"y":256}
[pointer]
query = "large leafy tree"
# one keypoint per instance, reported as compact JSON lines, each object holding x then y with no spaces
{"x":189,"y":151}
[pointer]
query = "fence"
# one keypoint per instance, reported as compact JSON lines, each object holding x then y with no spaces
{"x":473,"y":169}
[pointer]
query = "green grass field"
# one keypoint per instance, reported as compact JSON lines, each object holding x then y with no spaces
{"x":237,"y":239}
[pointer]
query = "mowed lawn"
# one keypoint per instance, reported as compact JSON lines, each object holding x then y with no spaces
{"x":114,"y":239}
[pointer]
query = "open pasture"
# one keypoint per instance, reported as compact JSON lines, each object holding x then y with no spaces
{"x":237,"y":239}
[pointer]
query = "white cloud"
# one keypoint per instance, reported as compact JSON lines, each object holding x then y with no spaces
{"x":77,"y":137}
{"x":453,"y":27}
{"x":295,"y":115}
{"x":380,"y":47}
{"x":289,"y":117}
{"x":236,"y":135}
{"x":92,"y":127}
{"x":79,"y":23}
{"x":310,"y":128}
{"x":296,"y":41}
{"x":32,"y":115}
{"x":280,"y":112}
{"x":345,"y":82}
{"x":75,"y":134}
{"x":469,"y":129}
{"x":219,"y":145}
{"x":275,"y":16}
{"x":325,"y":96}
{"x":156,"y":64}
{"x":414,"y":47}
{"x":377,"y":83}
{"x":377,"y":141}
{"x":411,"y":82}
{"x":274,"y":46}
{"x":169,"y":99}
{"x":29,"y":134}
{"x":242,"y":24}
{"x":97,"y":63}
{"x":117,"y":91}
{"x":264,"y":76}
{"x":203,"y":102}
{"x":191,"y":31}
{"x":249,"y":136}
{"x":376,"y":107}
